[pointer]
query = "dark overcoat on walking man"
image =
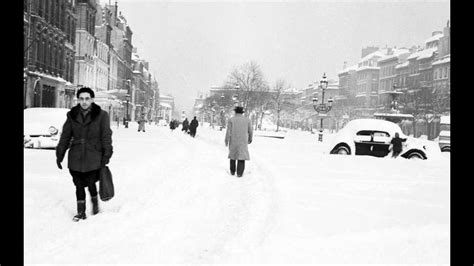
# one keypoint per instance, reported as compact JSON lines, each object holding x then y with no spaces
{"x":239,"y":134}
{"x":88,"y":136}
{"x":185,"y":125}
{"x":193,"y":127}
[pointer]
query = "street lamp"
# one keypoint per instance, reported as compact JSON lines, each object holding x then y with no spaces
{"x":127,"y":97}
{"x":322,"y":108}
{"x":235,"y":97}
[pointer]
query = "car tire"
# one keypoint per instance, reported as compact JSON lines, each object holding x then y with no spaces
{"x":342,"y":150}
{"x":415,"y":156}
{"x":446,"y":149}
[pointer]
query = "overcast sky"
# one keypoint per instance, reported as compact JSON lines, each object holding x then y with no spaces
{"x":193,"y":45}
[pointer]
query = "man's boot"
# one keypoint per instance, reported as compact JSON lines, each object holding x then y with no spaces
{"x":81,"y":211}
{"x":95,"y":205}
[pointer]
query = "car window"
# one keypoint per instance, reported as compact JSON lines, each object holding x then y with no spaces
{"x":363,"y":136}
{"x":364,"y":133}
{"x":381,"y":134}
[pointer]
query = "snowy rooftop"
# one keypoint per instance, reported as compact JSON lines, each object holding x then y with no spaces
{"x":377,"y":54}
{"x":396,"y":53}
{"x":347,"y":69}
{"x":404,"y":64}
{"x":368,"y":68}
{"x":434,"y":38}
{"x":425,"y":53}
{"x":444,"y":60}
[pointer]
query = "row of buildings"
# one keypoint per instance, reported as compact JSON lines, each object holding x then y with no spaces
{"x":413,"y":81}
{"x":69,"y":44}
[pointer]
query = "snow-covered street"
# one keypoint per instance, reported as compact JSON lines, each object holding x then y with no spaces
{"x":175,"y":202}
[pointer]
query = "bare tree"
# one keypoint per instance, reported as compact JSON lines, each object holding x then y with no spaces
{"x":251,"y":85}
{"x":277,"y":98}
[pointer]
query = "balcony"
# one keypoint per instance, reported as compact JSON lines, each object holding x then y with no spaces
{"x":426,"y":84}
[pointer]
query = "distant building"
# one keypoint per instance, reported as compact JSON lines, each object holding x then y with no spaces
{"x":388,"y":76}
{"x":166,"y":108}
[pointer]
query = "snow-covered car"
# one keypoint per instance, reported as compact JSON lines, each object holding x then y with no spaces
{"x":162,"y":122}
{"x":444,"y":138}
{"x":42,"y":127}
{"x":372,"y":137}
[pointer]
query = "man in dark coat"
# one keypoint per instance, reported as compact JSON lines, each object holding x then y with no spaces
{"x":172,"y":125}
{"x":87,"y":135}
{"x":185,"y":125}
{"x":238,"y":135}
{"x":396,"y":145}
{"x":193,"y":127}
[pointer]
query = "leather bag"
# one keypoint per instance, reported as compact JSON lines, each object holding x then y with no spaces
{"x":106,"y":185}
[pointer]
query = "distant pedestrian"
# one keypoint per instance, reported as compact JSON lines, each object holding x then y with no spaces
{"x":172,"y":125}
{"x":396,"y":145}
{"x":238,"y":135}
{"x":193,"y":127}
{"x":141,"y":123}
{"x":185,"y":125}
{"x":87,"y":135}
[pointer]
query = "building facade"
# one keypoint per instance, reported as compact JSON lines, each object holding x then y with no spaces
{"x":49,"y":29}
{"x":85,"y":44}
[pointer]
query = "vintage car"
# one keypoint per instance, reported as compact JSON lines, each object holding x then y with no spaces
{"x":372,"y":137}
{"x":42,"y":127}
{"x":444,"y":138}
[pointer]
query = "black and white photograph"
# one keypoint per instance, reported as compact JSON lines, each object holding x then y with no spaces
{"x":236,"y":132}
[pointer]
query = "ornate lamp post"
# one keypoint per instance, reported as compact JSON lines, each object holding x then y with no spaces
{"x":322,"y":108}
{"x":127,"y":97}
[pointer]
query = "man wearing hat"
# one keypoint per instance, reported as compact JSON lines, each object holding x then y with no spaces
{"x":238,"y":135}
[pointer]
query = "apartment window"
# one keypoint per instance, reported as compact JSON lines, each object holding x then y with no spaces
{"x":50,"y":57}
{"x":58,"y":14}
{"x":46,"y":10}
{"x":66,"y":30}
{"x":54,"y":59}
{"x":44,"y":53}
{"x":62,"y":15}
{"x":40,"y":8}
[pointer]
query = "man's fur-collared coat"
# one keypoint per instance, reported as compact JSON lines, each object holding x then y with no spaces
{"x":89,"y":142}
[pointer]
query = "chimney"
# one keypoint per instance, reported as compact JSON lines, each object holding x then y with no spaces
{"x":344,"y":66}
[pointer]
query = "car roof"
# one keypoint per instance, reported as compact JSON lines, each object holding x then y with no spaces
{"x":372,"y":124}
{"x":45,"y":114}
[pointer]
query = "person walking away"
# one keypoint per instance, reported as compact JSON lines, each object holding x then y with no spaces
{"x":88,"y":136}
{"x":141,"y":123}
{"x":239,"y":134}
{"x":396,"y":145}
{"x":185,"y":125}
{"x":193,"y":127}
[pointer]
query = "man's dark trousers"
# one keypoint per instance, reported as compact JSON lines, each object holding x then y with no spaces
{"x":240,"y":167}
